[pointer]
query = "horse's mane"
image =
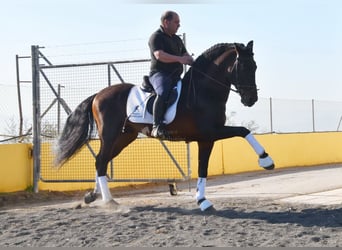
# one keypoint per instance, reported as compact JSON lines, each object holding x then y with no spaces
{"x":216,"y":50}
{"x":204,"y":66}
{"x":211,"y":54}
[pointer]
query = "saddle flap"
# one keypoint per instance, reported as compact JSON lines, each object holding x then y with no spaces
{"x":173,"y":97}
{"x":139,"y":105}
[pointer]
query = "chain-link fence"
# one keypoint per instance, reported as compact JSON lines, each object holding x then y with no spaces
{"x":266,"y":116}
{"x":58,"y":89}
{"x":271,"y":115}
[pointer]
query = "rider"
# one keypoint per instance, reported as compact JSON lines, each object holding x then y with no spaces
{"x":168,"y":54}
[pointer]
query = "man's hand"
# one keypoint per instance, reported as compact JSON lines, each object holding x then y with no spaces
{"x":168,"y":58}
{"x":186,"y":59}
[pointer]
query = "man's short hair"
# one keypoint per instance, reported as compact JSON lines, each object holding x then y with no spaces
{"x":167,"y":15}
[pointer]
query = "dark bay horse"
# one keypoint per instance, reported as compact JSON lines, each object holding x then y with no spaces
{"x":200,"y":115}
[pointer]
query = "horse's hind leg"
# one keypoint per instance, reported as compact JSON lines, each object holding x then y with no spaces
{"x":92,"y":195}
{"x":109,"y":150}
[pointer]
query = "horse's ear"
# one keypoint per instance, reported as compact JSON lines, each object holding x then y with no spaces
{"x":250,"y":45}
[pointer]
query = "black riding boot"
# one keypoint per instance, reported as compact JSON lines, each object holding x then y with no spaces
{"x":158,"y":130}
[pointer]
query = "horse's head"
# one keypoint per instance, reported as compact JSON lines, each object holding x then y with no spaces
{"x":243,"y":74}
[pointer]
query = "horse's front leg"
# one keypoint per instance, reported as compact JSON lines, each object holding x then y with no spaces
{"x":204,"y":151}
{"x":265,"y":161}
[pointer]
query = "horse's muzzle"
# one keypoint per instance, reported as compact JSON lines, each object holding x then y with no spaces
{"x":249,"y":98}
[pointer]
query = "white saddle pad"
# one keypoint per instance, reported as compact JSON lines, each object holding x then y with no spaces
{"x":137,"y":110}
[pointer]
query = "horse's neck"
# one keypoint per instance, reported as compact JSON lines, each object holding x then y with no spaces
{"x":210,"y":84}
{"x":208,"y":75}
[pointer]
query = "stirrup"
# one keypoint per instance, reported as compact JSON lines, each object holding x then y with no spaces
{"x":159,"y":132}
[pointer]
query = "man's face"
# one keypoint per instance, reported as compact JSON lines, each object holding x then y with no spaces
{"x":173,"y":25}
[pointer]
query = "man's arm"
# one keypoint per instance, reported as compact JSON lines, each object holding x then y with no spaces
{"x":164,"y":57}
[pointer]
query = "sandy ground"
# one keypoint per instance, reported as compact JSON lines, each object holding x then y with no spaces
{"x":149,"y":216}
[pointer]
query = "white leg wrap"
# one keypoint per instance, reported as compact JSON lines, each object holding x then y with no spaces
{"x":97,"y":189}
{"x":255,"y":144}
{"x":204,"y":205}
{"x":200,"y":191}
{"x":106,"y":195}
{"x":266,"y":162}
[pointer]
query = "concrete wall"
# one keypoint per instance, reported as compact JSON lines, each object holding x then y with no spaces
{"x":287,"y":150}
{"x":228,"y":157}
{"x":15,"y":167}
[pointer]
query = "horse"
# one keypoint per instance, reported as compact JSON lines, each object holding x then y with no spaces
{"x":200,"y":116}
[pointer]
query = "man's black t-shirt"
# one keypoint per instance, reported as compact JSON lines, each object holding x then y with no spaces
{"x":173,"y":45}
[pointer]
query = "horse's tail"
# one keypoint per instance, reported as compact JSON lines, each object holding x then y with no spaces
{"x":76,"y":132}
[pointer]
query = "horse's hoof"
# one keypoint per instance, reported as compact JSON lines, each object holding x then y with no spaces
{"x":269,"y":167}
{"x":205,"y":205}
{"x":90,"y":197}
{"x":266,"y":162}
{"x":173,"y":188}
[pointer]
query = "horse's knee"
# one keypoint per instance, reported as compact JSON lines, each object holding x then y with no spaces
{"x":244,"y":131}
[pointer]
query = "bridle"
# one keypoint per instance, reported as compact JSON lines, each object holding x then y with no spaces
{"x":192,"y":88}
{"x":222,"y":84}
{"x":236,"y":79}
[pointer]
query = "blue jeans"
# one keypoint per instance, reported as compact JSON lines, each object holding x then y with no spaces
{"x":162,"y":84}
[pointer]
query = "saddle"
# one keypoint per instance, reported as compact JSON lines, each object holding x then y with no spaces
{"x":140,"y":101}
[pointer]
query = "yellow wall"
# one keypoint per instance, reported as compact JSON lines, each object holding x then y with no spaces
{"x":143,"y":159}
{"x":15,"y":167}
{"x":228,"y":157}
{"x":234,"y":155}
{"x":287,"y":150}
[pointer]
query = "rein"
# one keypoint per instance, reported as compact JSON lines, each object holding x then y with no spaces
{"x":212,"y":79}
{"x":219,"y":82}
{"x":207,"y":76}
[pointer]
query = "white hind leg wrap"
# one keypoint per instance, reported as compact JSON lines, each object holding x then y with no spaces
{"x":255,"y":144}
{"x":97,"y":189}
{"x":106,"y":195}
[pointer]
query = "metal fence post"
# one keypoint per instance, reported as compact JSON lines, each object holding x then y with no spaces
{"x":36,"y":116}
{"x":271,"y":115}
{"x":313,"y":115}
{"x":19,"y":97}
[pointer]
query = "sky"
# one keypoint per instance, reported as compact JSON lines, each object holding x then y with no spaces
{"x":297,"y":43}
